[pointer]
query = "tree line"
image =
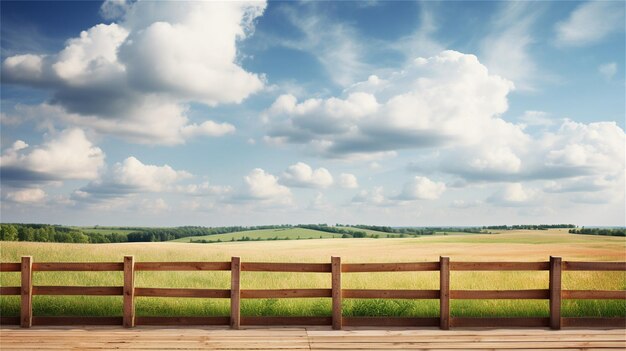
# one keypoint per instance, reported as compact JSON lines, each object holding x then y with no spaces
{"x":530,"y":226}
{"x":54,"y":233}
{"x":600,"y":231}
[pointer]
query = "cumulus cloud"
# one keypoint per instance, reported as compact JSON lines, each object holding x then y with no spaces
{"x":303,"y":176}
{"x":422,"y":188}
{"x":373,"y":197}
{"x":590,"y":23}
{"x":65,"y":155}
{"x":145,"y":69}
{"x":263,"y":188}
{"x":348,"y":181}
{"x":130,"y":177}
{"x":447,"y":98}
{"x":513,"y":194}
{"x":26,"y":196}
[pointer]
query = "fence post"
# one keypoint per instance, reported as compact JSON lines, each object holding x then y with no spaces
{"x":555,"y":292}
{"x":335,"y":263}
{"x":444,"y":293}
{"x":235,"y":293}
{"x":129,"y":292}
{"x":26,"y":310}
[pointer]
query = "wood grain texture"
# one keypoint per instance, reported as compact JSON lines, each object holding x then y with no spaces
{"x":77,"y":266}
{"x":26,"y":306}
{"x":285,"y":293}
{"x":78,"y":290}
{"x":182,"y":266}
{"x":594,"y":266}
{"x":285,"y":267}
{"x":10,"y":267}
{"x":129,"y":292}
{"x":335,"y":263}
{"x":235,"y":293}
{"x":72,"y":320}
{"x":555,"y":292}
{"x":179,"y":292}
{"x":444,"y":294}
{"x":500,"y":294}
{"x":10,"y":290}
{"x":389,"y":267}
{"x":499,"y":266}
{"x":594,"y":294}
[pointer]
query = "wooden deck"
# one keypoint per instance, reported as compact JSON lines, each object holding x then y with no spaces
{"x":306,"y":338}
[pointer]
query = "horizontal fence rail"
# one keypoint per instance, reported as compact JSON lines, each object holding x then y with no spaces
{"x":555,"y":294}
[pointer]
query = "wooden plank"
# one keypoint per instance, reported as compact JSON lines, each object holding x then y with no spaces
{"x":10,"y":290}
{"x":174,"y":321}
{"x":9,"y":320}
{"x":389,"y":294}
{"x":390,"y":322}
{"x":77,"y":266}
{"x":182,"y":266}
{"x":26,"y":306}
{"x":285,"y":293}
{"x":286,"y":320}
{"x":335,"y":263}
{"x":179,"y":292}
{"x":555,"y":292}
{"x":235,"y":293}
{"x":499,"y":266}
{"x":63,"y":320}
{"x":444,"y":295}
{"x":594,"y":322}
{"x":10,"y":267}
{"x":129,"y":292}
{"x":500,"y":294}
{"x":594,"y":294}
{"x":390,"y":267}
{"x":486,"y":322}
{"x":78,"y":290}
{"x":285,"y":267}
{"x":594,"y":266}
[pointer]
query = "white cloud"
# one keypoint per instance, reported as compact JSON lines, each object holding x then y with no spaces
{"x":375,"y":197}
{"x":302,"y":175}
{"x":66,"y":155}
{"x":348,"y":181}
{"x":203,"y":189}
{"x":536,"y":118}
{"x":608,"y":70}
{"x":422,"y":188}
{"x":146,"y":69}
{"x":434,"y":101}
{"x":590,"y":23}
{"x":505,"y":51}
{"x":513,"y":194}
{"x":262,"y":187}
{"x":26,"y":196}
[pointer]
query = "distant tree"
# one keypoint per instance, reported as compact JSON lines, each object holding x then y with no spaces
{"x":8,"y":233}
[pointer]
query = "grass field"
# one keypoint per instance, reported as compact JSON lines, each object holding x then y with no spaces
{"x":265,"y":234}
{"x":514,"y":245}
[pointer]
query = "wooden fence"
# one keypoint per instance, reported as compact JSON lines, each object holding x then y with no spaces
{"x":444,"y":294}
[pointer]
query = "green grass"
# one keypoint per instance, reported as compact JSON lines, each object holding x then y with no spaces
{"x":507,"y":247}
{"x":265,"y":234}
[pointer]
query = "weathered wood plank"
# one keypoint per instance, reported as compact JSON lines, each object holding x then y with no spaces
{"x":335,"y":263}
{"x":179,"y":292}
{"x":182,"y":266}
{"x":390,"y":267}
{"x":286,"y":320}
{"x":594,"y":266}
{"x":500,"y":294}
{"x":10,"y":267}
{"x":174,"y":321}
{"x":487,"y":322}
{"x":390,"y":322}
{"x":594,"y":322}
{"x":594,"y":294}
{"x":9,"y":320}
{"x":235,"y":293}
{"x":77,"y":266}
{"x":285,"y":267}
{"x":389,"y":294}
{"x":499,"y":266}
{"x":284,"y":293}
{"x":129,"y":292}
{"x":444,"y":293}
{"x":10,"y":290}
{"x":78,"y":290}
{"x":555,"y":292}
{"x":26,"y":306}
{"x":67,"y":320}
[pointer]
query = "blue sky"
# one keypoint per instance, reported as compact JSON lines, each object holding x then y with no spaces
{"x":377,"y":112}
